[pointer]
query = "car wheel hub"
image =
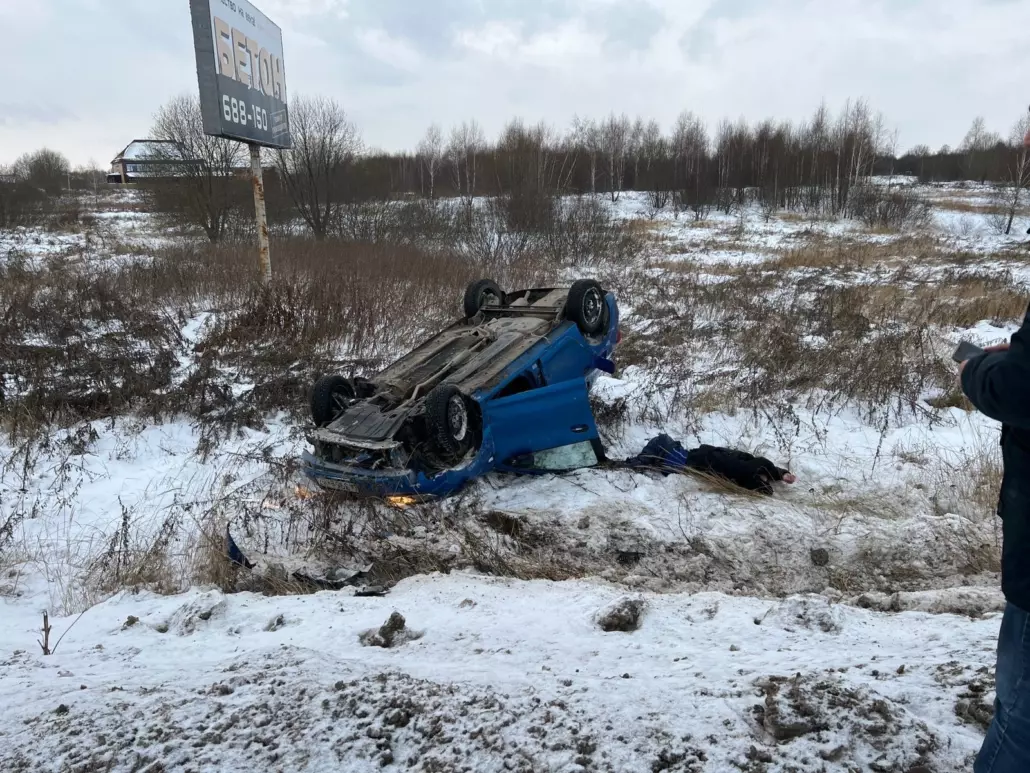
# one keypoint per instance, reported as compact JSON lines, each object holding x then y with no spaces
{"x":457,"y":418}
{"x":592,"y":307}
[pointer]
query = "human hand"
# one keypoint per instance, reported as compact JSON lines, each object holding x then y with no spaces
{"x":989,"y":350}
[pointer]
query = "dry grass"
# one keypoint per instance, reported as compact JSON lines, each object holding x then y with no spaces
{"x":757,"y":340}
{"x":813,"y":251}
{"x":976,"y":208}
{"x":644,"y":228}
{"x":843,"y":253}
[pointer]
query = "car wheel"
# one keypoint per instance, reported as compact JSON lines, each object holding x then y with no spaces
{"x":485,"y":292}
{"x":586,"y":306}
{"x":450,"y":425}
{"x":329,"y":398}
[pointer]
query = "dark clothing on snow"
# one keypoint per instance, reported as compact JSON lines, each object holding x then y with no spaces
{"x":667,"y":456}
{"x":998,"y":384}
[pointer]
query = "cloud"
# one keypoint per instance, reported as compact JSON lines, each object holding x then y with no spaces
{"x":291,"y":11}
{"x":23,"y":114}
{"x":393,"y":51}
{"x":397,"y":65}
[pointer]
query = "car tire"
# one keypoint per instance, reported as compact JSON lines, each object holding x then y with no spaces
{"x":587,"y":307}
{"x":484,"y":292}
{"x":329,"y":398}
{"x":449,"y":421}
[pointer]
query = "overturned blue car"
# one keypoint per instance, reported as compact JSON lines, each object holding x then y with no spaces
{"x":505,"y":388}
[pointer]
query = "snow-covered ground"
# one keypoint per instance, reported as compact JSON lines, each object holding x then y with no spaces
{"x":497,"y":675}
{"x":847,"y":623}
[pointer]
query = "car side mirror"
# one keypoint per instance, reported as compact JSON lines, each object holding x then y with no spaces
{"x":604,"y":365}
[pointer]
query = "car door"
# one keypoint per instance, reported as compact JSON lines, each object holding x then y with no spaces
{"x":542,"y":418}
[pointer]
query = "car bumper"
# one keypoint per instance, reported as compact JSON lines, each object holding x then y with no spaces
{"x":381,"y":483}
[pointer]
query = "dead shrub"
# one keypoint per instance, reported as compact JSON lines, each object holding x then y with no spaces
{"x":584,"y":232}
{"x":770,"y":343}
{"x":891,"y":209}
{"x":74,"y":346}
{"x":154,"y":562}
{"x":23,"y":206}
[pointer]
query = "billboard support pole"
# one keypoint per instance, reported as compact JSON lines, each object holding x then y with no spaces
{"x":261,"y":213}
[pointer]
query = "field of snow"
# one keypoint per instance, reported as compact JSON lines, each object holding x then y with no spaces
{"x":845,"y":624}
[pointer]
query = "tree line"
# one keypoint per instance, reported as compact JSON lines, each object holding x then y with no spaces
{"x":818,"y":166}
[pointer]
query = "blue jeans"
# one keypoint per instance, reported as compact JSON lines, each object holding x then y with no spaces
{"x":1007,"y":746}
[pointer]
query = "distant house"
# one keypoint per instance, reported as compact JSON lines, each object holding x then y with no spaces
{"x":149,"y":159}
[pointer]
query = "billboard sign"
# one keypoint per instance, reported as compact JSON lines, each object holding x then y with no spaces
{"x":241,"y":71}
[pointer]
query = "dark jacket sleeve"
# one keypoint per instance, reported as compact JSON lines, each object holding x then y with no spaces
{"x":998,"y":384}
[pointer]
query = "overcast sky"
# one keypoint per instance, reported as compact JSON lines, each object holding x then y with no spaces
{"x":85,"y":76}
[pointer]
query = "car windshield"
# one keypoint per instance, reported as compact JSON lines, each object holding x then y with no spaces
{"x":563,"y":458}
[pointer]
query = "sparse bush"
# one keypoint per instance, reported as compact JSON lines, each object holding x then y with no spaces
{"x":657,"y":201}
{"x":23,"y":205}
{"x":892,"y":209}
{"x":370,"y":222}
{"x":584,"y":232}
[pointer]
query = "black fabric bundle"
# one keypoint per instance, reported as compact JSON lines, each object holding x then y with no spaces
{"x":666,"y":455}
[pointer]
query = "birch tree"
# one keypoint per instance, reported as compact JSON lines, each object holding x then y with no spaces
{"x":431,"y":155}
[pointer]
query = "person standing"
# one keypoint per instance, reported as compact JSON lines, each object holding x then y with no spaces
{"x":997,"y":383}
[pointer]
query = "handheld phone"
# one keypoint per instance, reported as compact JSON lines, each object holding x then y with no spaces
{"x":967,"y":351}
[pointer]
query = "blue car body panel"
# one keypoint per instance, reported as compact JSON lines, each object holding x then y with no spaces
{"x":563,"y":366}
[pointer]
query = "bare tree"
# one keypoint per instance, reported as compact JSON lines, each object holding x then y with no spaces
{"x":196,"y":179}
{"x":920,"y":152}
{"x":856,"y":139}
{"x":1017,"y":169}
{"x":655,"y":177}
{"x":314,"y":170}
{"x":690,"y":149}
{"x":530,"y":175}
{"x":652,"y":144}
{"x":636,"y":149}
{"x":430,"y":154}
{"x":45,"y":168}
{"x":587,"y":136}
{"x":614,"y":142}
{"x":467,"y":142}
{"x":93,"y":177}
{"x":976,"y":146}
